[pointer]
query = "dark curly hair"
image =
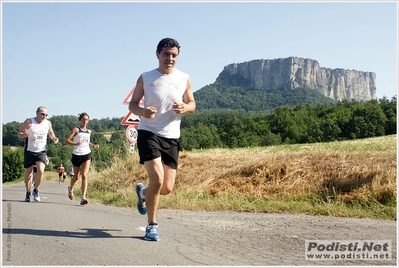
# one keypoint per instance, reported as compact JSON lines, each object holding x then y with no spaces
{"x":167,"y":42}
{"x":80,"y":116}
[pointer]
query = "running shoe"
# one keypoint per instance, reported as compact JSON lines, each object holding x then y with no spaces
{"x":141,"y":202}
{"x":84,"y":201}
{"x":27,"y":197}
{"x":36,"y":196}
{"x":70,"y":193}
{"x":151,"y":232}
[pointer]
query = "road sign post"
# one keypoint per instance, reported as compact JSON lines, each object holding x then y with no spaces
{"x":132,"y":146}
{"x":132,"y":121}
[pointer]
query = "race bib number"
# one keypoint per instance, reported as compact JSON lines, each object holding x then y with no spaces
{"x":39,"y":138}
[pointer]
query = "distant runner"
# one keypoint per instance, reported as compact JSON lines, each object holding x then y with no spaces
{"x":60,"y":170}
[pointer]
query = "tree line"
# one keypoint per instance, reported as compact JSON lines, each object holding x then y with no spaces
{"x":345,"y":120}
{"x":220,"y":128}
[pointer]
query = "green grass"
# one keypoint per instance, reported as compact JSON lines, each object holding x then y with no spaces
{"x":310,"y":204}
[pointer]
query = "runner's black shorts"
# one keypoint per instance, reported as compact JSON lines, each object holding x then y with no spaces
{"x":30,"y":158}
{"x":78,"y":160}
{"x":151,"y":146}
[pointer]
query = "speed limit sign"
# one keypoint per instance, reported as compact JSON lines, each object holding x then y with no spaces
{"x":131,"y":134}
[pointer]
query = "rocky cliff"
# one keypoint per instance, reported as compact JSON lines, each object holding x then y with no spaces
{"x":294,"y":72}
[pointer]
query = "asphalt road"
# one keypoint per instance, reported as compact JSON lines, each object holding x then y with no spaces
{"x":60,"y":232}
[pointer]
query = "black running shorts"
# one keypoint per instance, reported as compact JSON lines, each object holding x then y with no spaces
{"x":30,"y":158}
{"x":78,"y":160}
{"x":151,"y":146}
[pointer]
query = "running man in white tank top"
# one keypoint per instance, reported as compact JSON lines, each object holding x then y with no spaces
{"x":81,"y":155}
{"x":167,"y":95}
{"x":36,"y":130}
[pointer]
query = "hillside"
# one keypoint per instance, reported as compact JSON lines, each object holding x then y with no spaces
{"x":221,"y":95}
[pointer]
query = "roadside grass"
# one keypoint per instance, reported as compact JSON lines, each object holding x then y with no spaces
{"x":48,"y":176}
{"x":344,"y":179}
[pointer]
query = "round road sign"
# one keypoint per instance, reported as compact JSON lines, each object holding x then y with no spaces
{"x":131,"y":134}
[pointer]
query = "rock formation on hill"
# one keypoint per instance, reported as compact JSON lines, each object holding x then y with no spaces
{"x":294,"y":72}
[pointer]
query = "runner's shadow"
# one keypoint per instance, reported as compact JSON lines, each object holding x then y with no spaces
{"x":13,"y":201}
{"x":44,"y":201}
{"x":86,"y":233}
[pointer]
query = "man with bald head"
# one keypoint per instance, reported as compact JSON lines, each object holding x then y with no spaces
{"x":35,"y":131}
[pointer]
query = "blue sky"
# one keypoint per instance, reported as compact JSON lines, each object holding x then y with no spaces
{"x":75,"y":57}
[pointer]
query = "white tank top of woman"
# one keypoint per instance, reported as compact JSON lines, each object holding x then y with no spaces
{"x":84,"y":148}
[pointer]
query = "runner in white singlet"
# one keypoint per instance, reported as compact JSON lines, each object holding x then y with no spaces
{"x":35,"y":130}
{"x":81,"y":155}
{"x":167,"y":95}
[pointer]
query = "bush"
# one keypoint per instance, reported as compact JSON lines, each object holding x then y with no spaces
{"x":13,"y":168}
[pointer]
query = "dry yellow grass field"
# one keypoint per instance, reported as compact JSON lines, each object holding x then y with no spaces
{"x":350,"y":178}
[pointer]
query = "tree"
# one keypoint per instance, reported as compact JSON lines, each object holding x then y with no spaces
{"x":368,"y":120}
{"x":10,"y":134}
{"x":389,"y":108}
{"x":200,"y":137}
{"x":13,"y":168}
{"x":283,"y":122}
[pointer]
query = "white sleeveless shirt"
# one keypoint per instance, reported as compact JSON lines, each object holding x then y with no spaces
{"x":84,"y":148}
{"x":160,"y":91}
{"x":37,"y":139}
